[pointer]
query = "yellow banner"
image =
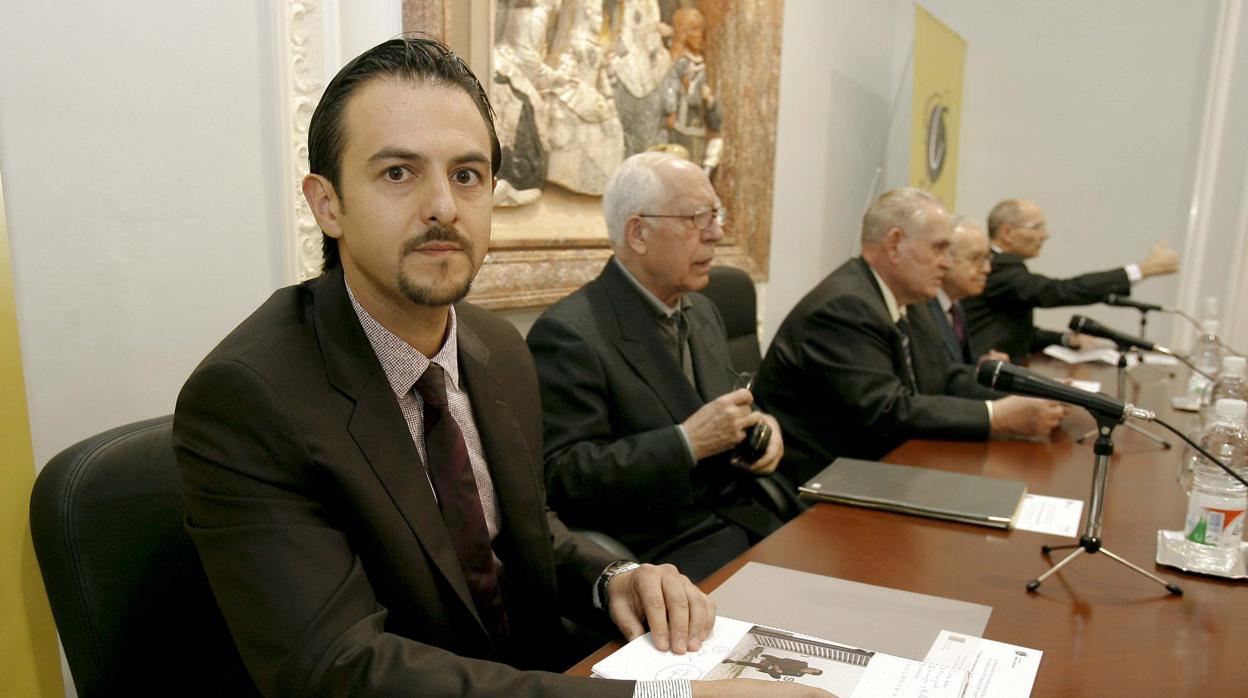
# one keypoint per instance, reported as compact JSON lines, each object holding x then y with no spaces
{"x":30,"y":663}
{"x":939,"y":55}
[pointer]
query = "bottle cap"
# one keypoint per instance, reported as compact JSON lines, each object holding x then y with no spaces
{"x":1233,"y":366}
{"x":1226,"y":407}
{"x":1209,"y":326}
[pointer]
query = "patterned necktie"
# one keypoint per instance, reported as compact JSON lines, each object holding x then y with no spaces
{"x":959,"y":329}
{"x":460,"y":501}
{"x":903,"y":327}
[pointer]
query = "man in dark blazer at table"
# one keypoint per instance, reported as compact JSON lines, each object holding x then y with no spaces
{"x":362,"y":455}
{"x":843,"y":375}
{"x":966,"y":277}
{"x":639,"y":397}
{"x":1002,"y":316}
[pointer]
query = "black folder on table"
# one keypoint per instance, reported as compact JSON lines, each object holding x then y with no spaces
{"x":971,"y":499}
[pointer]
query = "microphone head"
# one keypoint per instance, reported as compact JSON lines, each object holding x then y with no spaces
{"x":1078,"y":322}
{"x":988,"y":372}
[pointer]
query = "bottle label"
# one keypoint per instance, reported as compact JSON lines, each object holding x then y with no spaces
{"x":1212,"y":525}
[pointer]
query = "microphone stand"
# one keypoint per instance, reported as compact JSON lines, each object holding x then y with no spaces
{"x":1121,"y":395}
{"x":1143,"y":328}
{"x":1090,"y":541}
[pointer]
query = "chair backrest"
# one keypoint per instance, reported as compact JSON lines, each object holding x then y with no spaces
{"x":732,"y":291}
{"x":129,"y":595}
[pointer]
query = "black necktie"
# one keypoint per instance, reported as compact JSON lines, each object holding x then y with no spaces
{"x":460,"y":501}
{"x":681,"y":323}
{"x":903,"y":327}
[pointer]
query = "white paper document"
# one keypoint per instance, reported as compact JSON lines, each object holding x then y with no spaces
{"x":1049,"y":515}
{"x":997,"y":670}
{"x":738,"y":649}
{"x":1090,"y":386}
{"x":1083,"y":356}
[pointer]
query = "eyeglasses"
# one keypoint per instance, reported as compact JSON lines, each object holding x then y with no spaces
{"x":700,"y":219}
{"x":1033,"y":226}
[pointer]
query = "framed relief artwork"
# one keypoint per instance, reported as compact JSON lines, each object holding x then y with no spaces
{"x":579,"y":85}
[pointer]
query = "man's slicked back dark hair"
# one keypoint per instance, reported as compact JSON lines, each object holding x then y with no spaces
{"x":415,"y":58}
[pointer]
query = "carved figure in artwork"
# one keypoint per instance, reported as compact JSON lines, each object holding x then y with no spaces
{"x":521,"y":83}
{"x":586,"y":137}
{"x":640,"y":64}
{"x":693,"y":114}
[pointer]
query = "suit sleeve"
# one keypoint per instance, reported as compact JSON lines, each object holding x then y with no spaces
{"x":587,"y":464}
{"x":296,"y":597}
{"x":1017,"y":285}
{"x":851,"y":359}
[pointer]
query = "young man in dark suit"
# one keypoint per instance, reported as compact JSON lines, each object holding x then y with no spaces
{"x":1002,"y":316}
{"x":638,"y":391}
{"x":841,"y":374}
{"x":362,"y":455}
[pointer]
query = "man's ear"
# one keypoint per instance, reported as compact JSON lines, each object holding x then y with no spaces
{"x":324,"y":202}
{"x":635,"y":235}
{"x":892,"y":243}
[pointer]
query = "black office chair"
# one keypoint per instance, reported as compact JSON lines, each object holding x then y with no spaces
{"x":135,"y":613}
{"x":733,"y":293}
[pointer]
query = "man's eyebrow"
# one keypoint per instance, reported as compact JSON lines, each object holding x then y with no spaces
{"x":394,"y":153}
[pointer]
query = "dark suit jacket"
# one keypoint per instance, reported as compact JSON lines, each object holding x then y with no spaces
{"x":611,"y":397}
{"x":320,"y":534}
{"x":959,"y":352}
{"x":1002,"y":317}
{"x":833,"y":376}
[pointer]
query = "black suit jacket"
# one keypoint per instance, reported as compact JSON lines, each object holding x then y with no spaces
{"x":1001,"y":317}
{"x":959,"y":352}
{"x":320,"y":534}
{"x":612,"y":395}
{"x":833,"y":377}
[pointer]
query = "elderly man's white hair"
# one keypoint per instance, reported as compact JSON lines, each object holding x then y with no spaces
{"x":634,"y":188}
{"x":964,"y":222}
{"x":904,"y":208}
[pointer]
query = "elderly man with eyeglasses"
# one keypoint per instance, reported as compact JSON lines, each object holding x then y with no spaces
{"x":642,"y":410}
{"x":967,"y":277}
{"x":1002,"y":316}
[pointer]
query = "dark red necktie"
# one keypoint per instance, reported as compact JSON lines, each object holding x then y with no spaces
{"x":959,"y":329}
{"x":460,"y":501}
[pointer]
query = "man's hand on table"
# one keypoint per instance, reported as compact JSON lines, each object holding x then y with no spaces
{"x":1025,"y":416}
{"x":678,"y":613}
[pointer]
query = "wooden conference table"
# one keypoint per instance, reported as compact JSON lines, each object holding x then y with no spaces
{"x":1104,"y":629}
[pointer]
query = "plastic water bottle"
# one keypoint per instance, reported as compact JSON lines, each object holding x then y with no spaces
{"x":1231,"y":385}
{"x":1214,"y":525}
{"x":1206,"y":355}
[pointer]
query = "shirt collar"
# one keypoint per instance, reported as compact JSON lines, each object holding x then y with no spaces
{"x":895,"y":312}
{"x":662,"y":309}
{"x":945,"y":301}
{"x":401,"y":362}
{"x":996,"y":249}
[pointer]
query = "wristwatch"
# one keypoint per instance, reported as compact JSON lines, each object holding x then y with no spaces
{"x":604,"y":580}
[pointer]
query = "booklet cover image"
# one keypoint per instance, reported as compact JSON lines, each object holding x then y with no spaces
{"x":769,"y":653}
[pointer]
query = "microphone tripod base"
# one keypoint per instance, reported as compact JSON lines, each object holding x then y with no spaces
{"x":1159,"y":440}
{"x":1093,"y":545}
{"x":1090,"y":541}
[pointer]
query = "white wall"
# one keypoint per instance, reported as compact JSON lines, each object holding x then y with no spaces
{"x":836,"y":93}
{"x":136,"y":143}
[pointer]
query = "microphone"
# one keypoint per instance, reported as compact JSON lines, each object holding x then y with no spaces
{"x":1008,"y":378}
{"x":1124,"y":302}
{"x":1087,"y":325}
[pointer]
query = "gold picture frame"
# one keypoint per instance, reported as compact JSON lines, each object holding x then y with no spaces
{"x":541,"y":252}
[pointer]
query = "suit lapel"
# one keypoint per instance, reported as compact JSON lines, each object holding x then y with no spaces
{"x":520,"y":496}
{"x":946,"y":332}
{"x":641,"y":344}
{"x":379,"y":429}
{"x":711,"y":364}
